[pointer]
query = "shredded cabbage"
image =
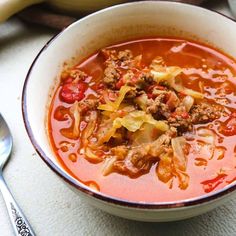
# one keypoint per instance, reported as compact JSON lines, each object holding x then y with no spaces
{"x":192,"y":93}
{"x":179,"y":158}
{"x":76,"y":113}
{"x":146,"y":134}
{"x":142,"y":101}
{"x":114,"y":106}
{"x":134,"y":120}
{"x":91,"y":125}
{"x":73,"y":132}
{"x":180,"y":161}
{"x":169,"y":74}
{"x":165,"y":73}
{"x":208,"y":138}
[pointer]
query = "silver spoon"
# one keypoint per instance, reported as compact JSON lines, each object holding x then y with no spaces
{"x":20,"y":224}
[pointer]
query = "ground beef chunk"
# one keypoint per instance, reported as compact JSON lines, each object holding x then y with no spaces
{"x":109,"y":54}
{"x":180,"y":120}
{"x":125,"y":57}
{"x":111,"y":76}
{"x":205,"y":112}
{"x":139,"y":79}
{"x":113,"y":63}
{"x":88,"y":104}
{"x":199,"y":114}
{"x":157,"y":106}
{"x":181,"y":124}
{"x":120,"y":151}
{"x":132,"y":94}
{"x":147,"y":77}
{"x":143,"y":80}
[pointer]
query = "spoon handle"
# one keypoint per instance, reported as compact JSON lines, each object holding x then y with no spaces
{"x":20,"y":224}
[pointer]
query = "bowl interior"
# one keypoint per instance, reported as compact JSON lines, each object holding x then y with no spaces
{"x":106,"y":27}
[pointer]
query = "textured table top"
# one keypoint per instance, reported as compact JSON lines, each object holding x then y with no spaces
{"x":50,"y":206}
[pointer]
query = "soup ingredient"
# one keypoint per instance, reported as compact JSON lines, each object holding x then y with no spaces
{"x":72,"y":92}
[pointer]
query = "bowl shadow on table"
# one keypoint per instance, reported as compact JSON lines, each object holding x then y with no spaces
{"x":9,"y":36}
{"x":220,"y":221}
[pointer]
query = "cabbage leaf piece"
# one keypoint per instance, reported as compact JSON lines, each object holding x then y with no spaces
{"x":114,"y":106}
{"x":133,"y":122}
{"x":168,"y":74}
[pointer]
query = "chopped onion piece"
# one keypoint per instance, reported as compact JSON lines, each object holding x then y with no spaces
{"x":108,"y":166}
{"x":188,"y":102}
{"x":207,"y":141}
{"x":207,"y":135}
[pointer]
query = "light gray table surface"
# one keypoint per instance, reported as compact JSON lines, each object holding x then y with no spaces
{"x":51,"y":207}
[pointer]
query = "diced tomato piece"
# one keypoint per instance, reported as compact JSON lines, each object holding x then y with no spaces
{"x":154,"y":86}
{"x":72,"y":92}
{"x":134,"y":70}
{"x":173,"y":114}
{"x":134,"y":79}
{"x":151,"y":95}
{"x":136,"y":76}
{"x":185,"y":115}
{"x":121,"y":113}
{"x":120,"y":83}
{"x":233,"y":114}
{"x":68,"y":80}
{"x":112,"y":96}
{"x":101,"y":86}
{"x":181,"y":94}
{"x":229,"y":129}
{"x":160,"y":87}
{"x":151,"y":88}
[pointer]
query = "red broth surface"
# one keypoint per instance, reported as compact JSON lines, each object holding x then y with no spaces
{"x":208,"y":171}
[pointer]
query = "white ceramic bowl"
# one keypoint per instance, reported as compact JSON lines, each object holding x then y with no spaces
{"x":123,"y":22}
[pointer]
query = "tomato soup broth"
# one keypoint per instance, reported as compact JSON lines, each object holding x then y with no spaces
{"x":210,"y":156}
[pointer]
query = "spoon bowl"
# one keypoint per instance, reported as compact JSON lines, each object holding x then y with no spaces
{"x":6,"y":142}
